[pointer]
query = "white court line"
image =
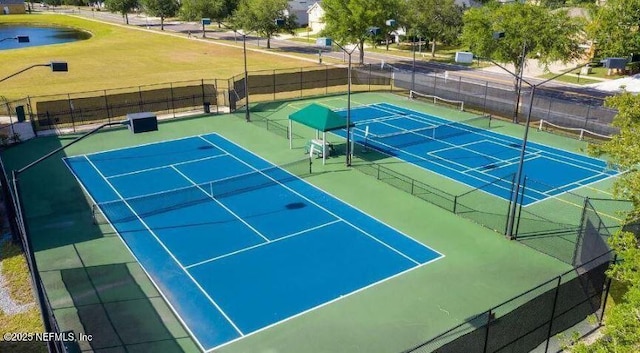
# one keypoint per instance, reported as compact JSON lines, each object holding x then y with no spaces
{"x":130,"y":147}
{"x":223,"y":206}
{"x":571,"y":164}
{"x":540,"y":153}
{"x":324,"y":304}
{"x":262,"y":244}
{"x":444,"y":166}
{"x":167,"y":250}
{"x":317,"y":205}
{"x":153,"y":281}
{"x":456,"y":146}
{"x":166,"y":166}
{"x":508,"y":138}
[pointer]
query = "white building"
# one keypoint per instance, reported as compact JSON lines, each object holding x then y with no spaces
{"x":315,"y":14}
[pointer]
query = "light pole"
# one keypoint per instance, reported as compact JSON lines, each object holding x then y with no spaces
{"x":56,"y":66}
{"x":370,"y":31}
{"x":513,"y":207}
{"x":348,"y":148}
{"x":247,"y":115}
{"x":513,"y":202}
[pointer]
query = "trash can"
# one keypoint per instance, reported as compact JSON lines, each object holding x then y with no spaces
{"x":20,"y":113}
{"x":207,"y":107}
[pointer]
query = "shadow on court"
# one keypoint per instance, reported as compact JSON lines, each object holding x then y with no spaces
{"x":109,"y":303}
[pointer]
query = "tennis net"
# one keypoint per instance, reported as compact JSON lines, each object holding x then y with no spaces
{"x":436,"y":100}
{"x":138,"y":207}
{"x":435,"y":132}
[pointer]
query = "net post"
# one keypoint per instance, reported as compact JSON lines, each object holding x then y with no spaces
{"x":462,"y":106}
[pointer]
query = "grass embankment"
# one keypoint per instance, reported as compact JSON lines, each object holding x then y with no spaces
{"x":14,"y":270}
{"x":121,"y":56}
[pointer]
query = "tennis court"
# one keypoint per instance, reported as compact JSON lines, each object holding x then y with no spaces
{"x":470,"y":153}
{"x":235,"y":244}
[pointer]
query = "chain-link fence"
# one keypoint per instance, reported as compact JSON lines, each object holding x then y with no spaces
{"x":70,"y":110}
{"x":531,"y":321}
{"x":500,"y":99}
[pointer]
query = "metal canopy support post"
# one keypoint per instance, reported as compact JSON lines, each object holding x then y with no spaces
{"x":289,"y":135}
{"x":247,"y":115}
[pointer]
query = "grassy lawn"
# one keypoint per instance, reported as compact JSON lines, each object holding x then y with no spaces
{"x":570,"y":79}
{"x":14,"y":270}
{"x":118,"y":56}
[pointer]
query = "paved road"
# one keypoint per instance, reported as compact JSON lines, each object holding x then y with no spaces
{"x":556,"y":89}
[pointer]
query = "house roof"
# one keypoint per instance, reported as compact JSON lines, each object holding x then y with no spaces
{"x":315,"y":5}
{"x":12,"y":2}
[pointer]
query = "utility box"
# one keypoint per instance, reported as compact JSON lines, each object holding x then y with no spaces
{"x":615,"y":63}
{"x":142,"y":122}
{"x":585,"y":70}
{"x":20,"y":113}
{"x":323,"y":42}
{"x":464,"y":57}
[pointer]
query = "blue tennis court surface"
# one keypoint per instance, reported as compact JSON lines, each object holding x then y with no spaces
{"x":471,"y":154}
{"x":234,"y":243}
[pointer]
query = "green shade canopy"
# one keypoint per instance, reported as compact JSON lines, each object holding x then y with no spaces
{"x":319,"y":118}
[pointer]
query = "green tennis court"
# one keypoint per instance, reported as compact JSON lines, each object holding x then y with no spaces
{"x":96,"y":286}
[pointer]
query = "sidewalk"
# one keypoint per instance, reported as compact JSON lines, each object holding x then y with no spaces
{"x":533,"y":69}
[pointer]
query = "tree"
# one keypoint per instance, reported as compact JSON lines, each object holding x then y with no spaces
{"x":216,"y":10}
{"x":162,"y":9}
{"x":350,"y":21}
{"x":548,"y":35}
{"x":121,"y":6}
{"x":263,"y":17}
{"x":436,"y":20}
{"x":621,"y":332}
{"x":614,"y":28}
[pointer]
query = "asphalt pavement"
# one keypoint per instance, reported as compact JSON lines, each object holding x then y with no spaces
{"x":553,"y":89}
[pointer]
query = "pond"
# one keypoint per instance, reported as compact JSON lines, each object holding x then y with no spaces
{"x":39,"y":35}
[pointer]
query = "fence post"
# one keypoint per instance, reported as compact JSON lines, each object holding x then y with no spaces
{"x":173,"y":108}
{"x":486,"y":335}
{"x":31,"y":117}
{"x":435,"y":84}
{"x":586,"y":118}
{"x":553,"y":314}
{"x":606,"y":292}
{"x":580,"y":231}
{"x":455,"y":203}
{"x":513,"y":186}
{"x":524,"y":188}
{"x":140,"y":101}
{"x":73,"y":123}
{"x":106,"y":105}
{"x":301,"y":95}
{"x":486,"y":91}
{"x":326,"y":80}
